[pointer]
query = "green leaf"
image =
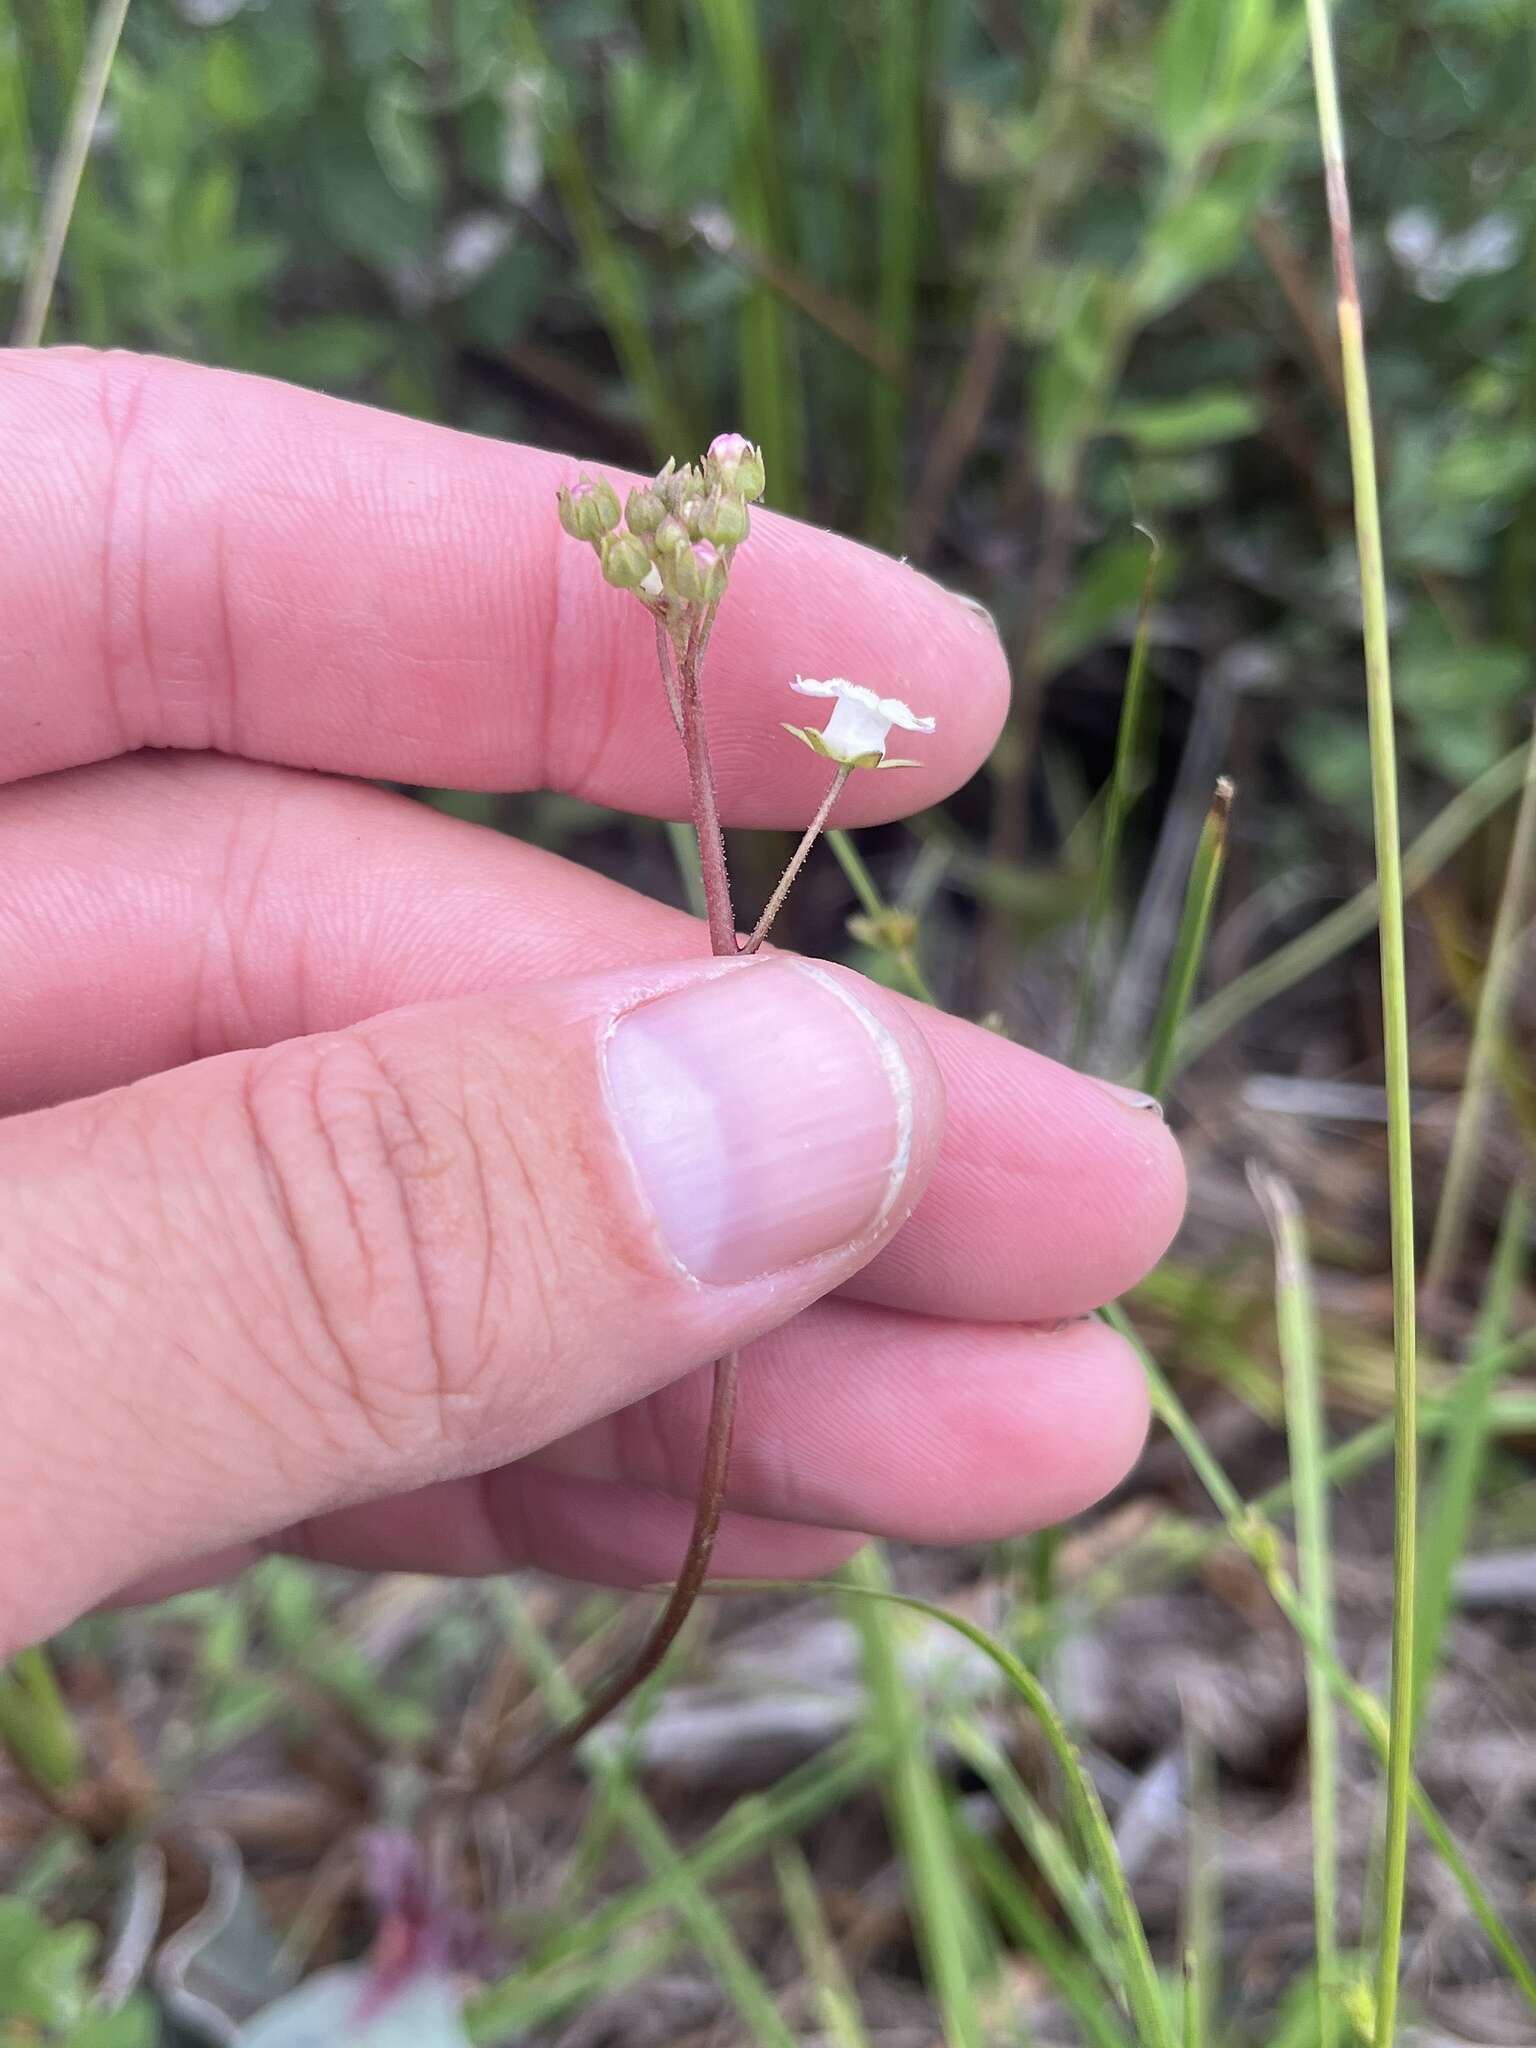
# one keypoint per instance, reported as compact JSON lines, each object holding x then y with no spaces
{"x":1171,"y":425}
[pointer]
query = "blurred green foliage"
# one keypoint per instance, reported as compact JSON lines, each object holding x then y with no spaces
{"x":617,"y":227}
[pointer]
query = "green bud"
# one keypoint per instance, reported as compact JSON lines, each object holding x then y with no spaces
{"x":588,"y":510}
{"x":725,"y":520}
{"x":646,"y":509}
{"x":671,"y":536}
{"x":626,"y":560}
{"x":686,"y":576}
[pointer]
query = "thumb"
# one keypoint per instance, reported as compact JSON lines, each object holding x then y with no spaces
{"x":262,"y":1286}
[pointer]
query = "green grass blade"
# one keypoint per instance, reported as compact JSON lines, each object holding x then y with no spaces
{"x":1504,"y":949}
{"x":1394,"y":1010}
{"x":64,"y":184}
{"x":1448,"y":1525}
{"x":948,"y":1928}
{"x":1045,"y":1843}
{"x":706,"y":1926}
{"x":1190,"y":940}
{"x":1137,"y":1970}
{"x":837,"y":2003}
{"x":685,"y":851}
{"x":611,"y":275}
{"x":1027,"y":1923}
{"x":1126,"y":780}
{"x":1202,"y":1937}
{"x":900,"y":80}
{"x":1259,"y":1540}
{"x":1334,"y":934}
{"x":772,"y":411}
{"x":36,"y":1725}
{"x":875,"y":907}
{"x":1296,"y":1321}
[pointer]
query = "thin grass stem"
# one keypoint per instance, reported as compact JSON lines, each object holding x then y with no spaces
{"x":69,"y":168}
{"x":1394,"y":1003}
{"x":1296,"y":1325}
{"x":875,"y":907}
{"x":1477,"y":1093}
{"x":1259,"y":1540}
{"x":1467,"y":812}
{"x":1191,"y":939}
{"x":1448,"y":1524}
{"x":1125,"y":784}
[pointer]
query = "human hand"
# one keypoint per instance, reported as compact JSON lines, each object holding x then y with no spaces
{"x":375,"y":1187}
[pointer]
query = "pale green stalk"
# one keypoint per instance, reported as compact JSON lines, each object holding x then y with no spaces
{"x":1202,"y":1941}
{"x":900,"y":84}
{"x":1034,"y":1931}
{"x":685,"y":851}
{"x":837,"y":2003}
{"x":1296,"y":1325}
{"x":706,"y":1925}
{"x":1260,"y":1541}
{"x":1125,"y":780}
{"x":1446,"y":834}
{"x":1138,"y":1972}
{"x":68,"y":170}
{"x":874,"y":905}
{"x":1449,"y":1522}
{"x":948,"y":1927}
{"x":1394,"y":1006}
{"x":1191,"y":939}
{"x":1477,"y":1092}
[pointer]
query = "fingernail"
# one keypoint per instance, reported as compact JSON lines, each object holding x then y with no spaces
{"x":1133,"y":1098}
{"x":768,"y":1116}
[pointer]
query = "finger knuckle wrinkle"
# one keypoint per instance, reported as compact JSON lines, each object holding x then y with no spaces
{"x":381,"y":1211}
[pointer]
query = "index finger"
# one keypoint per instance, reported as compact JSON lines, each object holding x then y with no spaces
{"x":200,"y":559}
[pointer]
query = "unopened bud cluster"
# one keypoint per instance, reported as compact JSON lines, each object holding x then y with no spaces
{"x":673,"y":540}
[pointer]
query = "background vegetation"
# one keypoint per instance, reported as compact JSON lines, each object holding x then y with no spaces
{"x":998,"y":288}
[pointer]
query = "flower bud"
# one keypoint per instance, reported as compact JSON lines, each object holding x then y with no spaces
{"x":626,"y":560}
{"x":588,"y":510}
{"x":645,"y":509}
{"x":737,"y":464}
{"x":671,"y":536}
{"x":724,"y":520}
{"x":686,"y":576}
{"x":714,"y":569}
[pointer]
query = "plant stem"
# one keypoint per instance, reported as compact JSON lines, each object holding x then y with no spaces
{"x":706,"y":811}
{"x":797,"y":861}
{"x":862,"y":882}
{"x":1394,"y":994}
{"x":1125,"y":782}
{"x":1190,"y":940}
{"x":684,"y":680}
{"x":1487,"y":1038}
{"x":64,"y":185}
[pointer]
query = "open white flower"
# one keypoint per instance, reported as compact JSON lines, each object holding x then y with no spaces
{"x":855,"y":734}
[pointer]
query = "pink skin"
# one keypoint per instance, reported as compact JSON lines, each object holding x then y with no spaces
{"x":205,"y":562}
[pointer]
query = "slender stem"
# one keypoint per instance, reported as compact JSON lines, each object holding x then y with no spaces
{"x":797,"y":861}
{"x":690,"y":1578}
{"x":1378,"y":684}
{"x":1487,"y":1038}
{"x":706,"y":811}
{"x":683,"y":680}
{"x":64,"y":185}
{"x":1190,"y":940}
{"x":666,"y":662}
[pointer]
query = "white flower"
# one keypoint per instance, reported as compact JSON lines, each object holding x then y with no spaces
{"x":855,"y":733}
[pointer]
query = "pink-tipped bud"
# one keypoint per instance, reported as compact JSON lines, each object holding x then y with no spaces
{"x":737,"y":465}
{"x":588,"y":510}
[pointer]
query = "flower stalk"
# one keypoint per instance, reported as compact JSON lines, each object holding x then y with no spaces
{"x":672,"y":546}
